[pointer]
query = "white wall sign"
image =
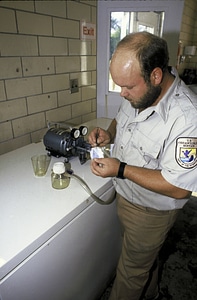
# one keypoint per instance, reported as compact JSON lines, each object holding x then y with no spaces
{"x":88,"y":31}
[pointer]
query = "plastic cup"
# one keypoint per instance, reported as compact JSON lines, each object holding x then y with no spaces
{"x":40,"y":164}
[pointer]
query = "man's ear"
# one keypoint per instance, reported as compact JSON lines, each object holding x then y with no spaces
{"x":156,"y":76}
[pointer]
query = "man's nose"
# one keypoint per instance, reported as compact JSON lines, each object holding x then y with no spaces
{"x":124,"y":92}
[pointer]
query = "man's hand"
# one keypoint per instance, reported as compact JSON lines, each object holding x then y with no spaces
{"x":99,"y":137}
{"x":105,"y":167}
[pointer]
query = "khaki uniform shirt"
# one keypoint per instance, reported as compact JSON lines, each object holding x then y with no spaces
{"x":162,"y":137}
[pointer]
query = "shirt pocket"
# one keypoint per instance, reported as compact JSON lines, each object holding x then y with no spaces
{"x":149,"y":150}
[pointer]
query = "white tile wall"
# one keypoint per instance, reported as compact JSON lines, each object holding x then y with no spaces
{"x":40,"y":51}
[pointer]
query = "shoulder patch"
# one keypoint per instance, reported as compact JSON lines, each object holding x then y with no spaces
{"x":186,"y":152}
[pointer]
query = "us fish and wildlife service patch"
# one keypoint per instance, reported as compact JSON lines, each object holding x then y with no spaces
{"x":186,"y":152}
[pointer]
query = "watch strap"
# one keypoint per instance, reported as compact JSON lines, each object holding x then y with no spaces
{"x":121,"y":170}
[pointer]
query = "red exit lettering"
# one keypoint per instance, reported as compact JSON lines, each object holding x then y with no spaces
{"x":88,"y":31}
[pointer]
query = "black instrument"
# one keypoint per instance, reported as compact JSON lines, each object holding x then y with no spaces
{"x":64,"y":140}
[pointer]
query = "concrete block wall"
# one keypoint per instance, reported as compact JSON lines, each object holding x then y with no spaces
{"x":40,"y":51}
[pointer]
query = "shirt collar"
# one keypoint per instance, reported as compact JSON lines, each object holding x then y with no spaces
{"x":162,"y":108}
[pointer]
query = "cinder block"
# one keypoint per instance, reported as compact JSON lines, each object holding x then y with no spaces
{"x":53,"y":46}
{"x":5,"y":131}
{"x":18,"y":45}
{"x":88,"y":63}
{"x":30,"y":23}
{"x":89,"y":117}
{"x":38,"y":135}
{"x":10,"y":68}
{"x":28,"y":124}
{"x":5,"y":15}
{"x":66,"y":28}
{"x":93,"y":77}
{"x":89,"y":2}
{"x":79,"y":109}
{"x":17,"y":88}
{"x":38,"y":66}
{"x":15,"y":143}
{"x":12,"y":109}
{"x":86,"y":78}
{"x":66,"y":98}
{"x":41,"y":103}
{"x":59,"y":114}
{"x":53,"y":83}
{"x":2,"y":91}
{"x":76,"y":10}
{"x":23,"y":5}
{"x":94,"y":14}
{"x":67,"y":64}
{"x":94,"y":105}
{"x":52,"y":8}
{"x":78,"y":47}
{"x":88,"y":92}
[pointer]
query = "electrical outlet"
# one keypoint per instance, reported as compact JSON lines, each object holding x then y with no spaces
{"x":74,"y":86}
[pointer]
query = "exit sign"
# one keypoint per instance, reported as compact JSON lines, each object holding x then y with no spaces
{"x":88,"y":31}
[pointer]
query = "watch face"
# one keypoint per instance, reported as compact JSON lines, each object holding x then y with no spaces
{"x":83,"y":130}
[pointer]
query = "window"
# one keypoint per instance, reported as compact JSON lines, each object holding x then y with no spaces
{"x":123,"y":23}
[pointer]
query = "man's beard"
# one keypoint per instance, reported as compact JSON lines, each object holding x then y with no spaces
{"x":149,"y":98}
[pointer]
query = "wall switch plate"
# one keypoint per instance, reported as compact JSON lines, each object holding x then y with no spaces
{"x":74,"y":86}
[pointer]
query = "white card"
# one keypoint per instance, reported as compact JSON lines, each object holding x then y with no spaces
{"x":96,"y":152}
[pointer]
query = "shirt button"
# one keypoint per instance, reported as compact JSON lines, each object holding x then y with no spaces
{"x":121,"y":147}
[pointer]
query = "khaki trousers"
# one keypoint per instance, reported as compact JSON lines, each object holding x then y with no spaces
{"x":144,"y":232}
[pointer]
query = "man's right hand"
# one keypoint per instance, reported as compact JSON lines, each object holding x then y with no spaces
{"x":99,"y":137}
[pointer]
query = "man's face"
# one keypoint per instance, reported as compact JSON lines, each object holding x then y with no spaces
{"x":147,"y":99}
{"x":126,"y":73}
